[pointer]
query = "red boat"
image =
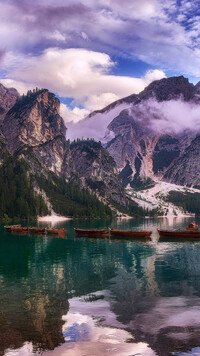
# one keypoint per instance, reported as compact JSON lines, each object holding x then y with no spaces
{"x":190,"y":231}
{"x":19,"y":229}
{"x":53,"y":231}
{"x":129,"y":233}
{"x":10,"y":227}
{"x":91,"y":232}
{"x":37,"y":230}
{"x":179,"y":233}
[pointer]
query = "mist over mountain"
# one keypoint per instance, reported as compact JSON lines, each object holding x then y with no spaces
{"x":170,"y":104}
{"x":148,"y":131}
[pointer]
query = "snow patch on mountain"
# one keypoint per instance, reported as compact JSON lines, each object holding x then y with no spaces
{"x":155,"y":197}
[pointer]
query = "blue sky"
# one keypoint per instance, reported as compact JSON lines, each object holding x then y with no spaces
{"x":91,"y":53}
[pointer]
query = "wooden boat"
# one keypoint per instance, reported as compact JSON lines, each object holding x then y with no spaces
{"x":53,"y":231}
{"x":10,"y":227}
{"x":91,"y":232}
{"x":36,"y":230}
{"x":19,"y":229}
{"x":179,"y":233}
{"x":130,"y":233}
{"x":191,"y":231}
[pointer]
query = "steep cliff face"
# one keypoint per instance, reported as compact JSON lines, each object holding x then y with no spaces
{"x":33,"y":120}
{"x":96,"y":169}
{"x":134,"y":142}
{"x":35,"y":131}
{"x":186,"y":169}
{"x":166,"y":150}
{"x":8,"y":98}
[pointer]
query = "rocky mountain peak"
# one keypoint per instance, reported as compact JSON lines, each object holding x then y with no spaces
{"x":168,"y":89}
{"x":33,"y":120}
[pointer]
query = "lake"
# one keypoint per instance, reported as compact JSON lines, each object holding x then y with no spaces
{"x":81,"y":296}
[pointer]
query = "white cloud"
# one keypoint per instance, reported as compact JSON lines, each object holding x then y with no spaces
{"x":161,"y":32}
{"x":21,"y":87}
{"x":72,"y":115}
{"x":94,"y":126}
{"x":173,"y":116}
{"x":97,"y":102}
{"x":77,"y":73}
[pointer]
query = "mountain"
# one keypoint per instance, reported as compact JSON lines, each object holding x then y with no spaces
{"x":149,"y":142}
{"x":154,"y":140}
{"x":77,"y":178}
{"x":146,"y":133}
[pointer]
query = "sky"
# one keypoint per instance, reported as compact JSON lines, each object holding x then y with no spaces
{"x":93,"y":52}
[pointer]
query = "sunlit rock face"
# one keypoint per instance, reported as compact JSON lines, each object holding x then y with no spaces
{"x":8,"y":98}
{"x":34,"y":130}
{"x":33,"y":120}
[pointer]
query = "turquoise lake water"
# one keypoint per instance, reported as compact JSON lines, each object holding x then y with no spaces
{"x":98,"y":296}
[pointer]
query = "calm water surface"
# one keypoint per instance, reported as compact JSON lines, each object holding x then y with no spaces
{"x":84,"y":296}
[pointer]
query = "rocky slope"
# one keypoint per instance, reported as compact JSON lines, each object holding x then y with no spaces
{"x":186,"y":169}
{"x":34,"y":130}
{"x":150,"y":151}
{"x":146,"y":133}
{"x":97,"y":169}
{"x":8,"y":98}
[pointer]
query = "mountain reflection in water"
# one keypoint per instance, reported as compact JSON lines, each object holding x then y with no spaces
{"x":148,"y":300}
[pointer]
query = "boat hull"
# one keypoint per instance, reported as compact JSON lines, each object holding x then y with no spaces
{"x":20,"y":229}
{"x":179,"y":233}
{"x":10,"y":227}
{"x":129,"y":233}
{"x":36,"y":230}
{"x":91,"y":232}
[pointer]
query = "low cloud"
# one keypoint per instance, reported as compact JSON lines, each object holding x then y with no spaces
{"x":72,"y":115}
{"x":96,"y":125}
{"x":172,"y":116}
{"x":169,"y":117}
